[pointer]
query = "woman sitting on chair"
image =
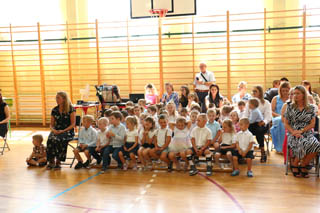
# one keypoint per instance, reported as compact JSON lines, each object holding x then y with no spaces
{"x":299,"y":119}
{"x":63,"y":118}
{"x":277,"y":130}
{"x":4,"y":117}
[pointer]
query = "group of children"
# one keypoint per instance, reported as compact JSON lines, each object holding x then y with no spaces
{"x":156,"y":132}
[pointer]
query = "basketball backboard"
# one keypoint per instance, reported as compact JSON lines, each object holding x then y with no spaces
{"x":141,"y":8}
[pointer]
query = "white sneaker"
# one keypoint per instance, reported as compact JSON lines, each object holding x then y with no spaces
{"x":125,"y":167}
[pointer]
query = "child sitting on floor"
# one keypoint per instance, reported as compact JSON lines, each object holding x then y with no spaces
{"x":38,"y":156}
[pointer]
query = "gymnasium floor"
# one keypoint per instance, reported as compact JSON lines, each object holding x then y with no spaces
{"x":24,"y":189}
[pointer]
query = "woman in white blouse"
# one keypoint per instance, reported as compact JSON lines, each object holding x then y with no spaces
{"x":265,"y":109}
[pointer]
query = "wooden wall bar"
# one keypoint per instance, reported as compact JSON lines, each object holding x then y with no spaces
{"x":36,"y":62}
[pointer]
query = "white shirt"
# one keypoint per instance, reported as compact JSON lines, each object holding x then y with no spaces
{"x":208,"y":75}
{"x":244,"y":139}
{"x":102,"y":136}
{"x":241,"y":114}
{"x":150,"y":134}
{"x":227,"y":138}
{"x":161,"y":136}
{"x":265,"y":110}
{"x":180,"y":140}
{"x":201,"y":135}
{"x":172,"y":119}
{"x":131,"y":135}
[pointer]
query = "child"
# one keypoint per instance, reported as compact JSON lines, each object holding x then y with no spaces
{"x":193,"y":118}
{"x":171,"y":108}
{"x":137,"y":111}
{"x":143,"y":103}
{"x":107,"y":113}
{"x":225,"y":145}
{"x":131,"y":145}
{"x":151,"y":94}
{"x":116,"y":133}
{"x":200,"y":139}
{"x":152,"y":111}
{"x":225,"y":113}
{"x":147,"y":137}
{"x":195,"y":106}
{"x":87,"y":140}
{"x":114,"y":108}
{"x":184,"y":113}
{"x":162,"y":142}
{"x":129,"y":104}
{"x":244,"y":147}
{"x":180,"y":143}
{"x":235,"y":120}
{"x":102,"y":141}
{"x":241,"y":108}
{"x":38,"y":156}
{"x":213,"y":125}
{"x":125,"y":114}
{"x":192,"y":99}
{"x":130,"y":110}
{"x":255,"y":115}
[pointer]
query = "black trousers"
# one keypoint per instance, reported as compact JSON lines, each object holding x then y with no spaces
{"x":202,"y":101}
{"x":259,"y":132}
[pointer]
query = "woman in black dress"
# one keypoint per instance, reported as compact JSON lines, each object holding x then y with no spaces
{"x":62,"y":130}
{"x":299,"y":120}
{"x":4,"y":117}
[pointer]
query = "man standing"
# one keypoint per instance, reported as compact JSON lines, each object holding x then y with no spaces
{"x":202,"y":82}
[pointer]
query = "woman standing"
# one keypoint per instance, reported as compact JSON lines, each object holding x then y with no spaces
{"x":277,"y":130}
{"x":62,"y":130}
{"x":4,"y":117}
{"x":214,"y":98}
{"x":263,"y":126}
{"x":299,"y":119}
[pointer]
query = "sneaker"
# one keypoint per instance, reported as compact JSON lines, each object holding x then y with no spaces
{"x":103,"y":170}
{"x":79,"y":165}
{"x":235,"y":172}
{"x":250,"y":174}
{"x":125,"y":167}
{"x":209,"y":170}
{"x":170,"y":167}
{"x":193,"y":170}
{"x":86,"y":164}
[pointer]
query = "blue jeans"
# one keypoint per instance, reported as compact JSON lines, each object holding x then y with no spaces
{"x":94,"y":153}
{"x":106,"y":155}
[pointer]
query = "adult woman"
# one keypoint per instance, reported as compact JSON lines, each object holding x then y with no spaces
{"x":170,"y":95}
{"x":183,"y":100}
{"x":262,"y":128}
{"x":314,"y":95}
{"x":242,"y":94}
{"x":4,"y":117}
{"x":299,"y":119}
{"x":62,"y":130}
{"x":277,"y":130}
{"x":151,"y":94}
{"x":214,"y":98}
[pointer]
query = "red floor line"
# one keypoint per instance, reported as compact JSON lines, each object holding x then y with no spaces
{"x":224,"y":190}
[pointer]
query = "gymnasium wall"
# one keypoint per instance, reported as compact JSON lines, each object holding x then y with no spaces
{"x":39,"y":59}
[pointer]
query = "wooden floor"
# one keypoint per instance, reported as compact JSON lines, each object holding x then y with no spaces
{"x":24,"y":189}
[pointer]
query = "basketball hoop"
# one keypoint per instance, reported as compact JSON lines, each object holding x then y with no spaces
{"x":158,"y":13}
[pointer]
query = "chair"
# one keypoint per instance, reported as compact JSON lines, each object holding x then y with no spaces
{"x":72,"y":143}
{"x":5,"y":145}
{"x":267,"y":138}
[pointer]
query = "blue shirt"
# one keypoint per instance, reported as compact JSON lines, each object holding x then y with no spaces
{"x":120,"y":132}
{"x":173,"y":97}
{"x":214,"y":128}
{"x":255,"y":116}
{"x":88,"y":136}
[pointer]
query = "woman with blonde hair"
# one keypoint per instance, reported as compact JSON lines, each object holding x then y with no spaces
{"x":299,"y":120}
{"x":63,"y":119}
